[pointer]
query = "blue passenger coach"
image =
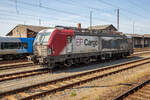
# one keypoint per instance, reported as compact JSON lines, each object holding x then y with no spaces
{"x":28,"y":44}
{"x":11,"y":48}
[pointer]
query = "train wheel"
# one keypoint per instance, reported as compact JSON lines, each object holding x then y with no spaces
{"x":68,"y":63}
{"x":86,"y":60}
{"x":51,"y":66}
{"x":8,"y":57}
{"x":36,"y":62}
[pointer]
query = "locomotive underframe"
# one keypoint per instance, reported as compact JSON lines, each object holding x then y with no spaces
{"x":50,"y":61}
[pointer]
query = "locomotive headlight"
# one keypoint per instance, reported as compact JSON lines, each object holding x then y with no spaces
{"x":49,"y":51}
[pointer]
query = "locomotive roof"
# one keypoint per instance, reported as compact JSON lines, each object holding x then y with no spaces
{"x":93,"y":32}
{"x":98,"y":33}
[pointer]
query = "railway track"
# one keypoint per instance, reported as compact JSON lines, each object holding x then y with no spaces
{"x":15,"y":65}
{"x":141,"y":49}
{"x":139,"y":92}
{"x":40,"y":89}
{"x":23,"y":74}
{"x":13,"y":61}
{"x":139,"y":53}
{"x":26,"y":64}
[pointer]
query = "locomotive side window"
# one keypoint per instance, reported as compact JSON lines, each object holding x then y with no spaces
{"x":69,"y":39}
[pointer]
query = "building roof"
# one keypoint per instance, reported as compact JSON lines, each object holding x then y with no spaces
{"x":102,"y":27}
{"x":35,"y":28}
{"x":136,"y":35}
{"x":147,"y":35}
{"x":140,"y":35}
{"x":29,"y":27}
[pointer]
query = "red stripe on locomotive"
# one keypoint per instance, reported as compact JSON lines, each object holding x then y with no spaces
{"x":58,"y":40}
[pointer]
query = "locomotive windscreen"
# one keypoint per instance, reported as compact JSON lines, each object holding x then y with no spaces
{"x":42,"y":38}
{"x":41,"y":42}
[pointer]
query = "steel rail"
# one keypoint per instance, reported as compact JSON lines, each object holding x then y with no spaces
{"x":132,"y":90}
{"x":80,"y":80}
{"x":12,"y":61}
{"x":11,"y":66}
{"x":23,"y":74}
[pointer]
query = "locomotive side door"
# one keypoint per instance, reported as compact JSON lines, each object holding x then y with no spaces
{"x":69,"y":44}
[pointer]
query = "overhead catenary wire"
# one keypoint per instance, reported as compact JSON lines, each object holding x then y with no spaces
{"x":138,"y":6}
{"x":124,"y":9}
{"x":48,"y":8}
{"x":82,"y":16}
{"x":58,"y":10}
{"x":74,"y":3}
{"x":62,"y":10}
{"x":95,"y":18}
{"x":123,"y":15}
{"x":47,"y":17}
{"x":16,"y":7}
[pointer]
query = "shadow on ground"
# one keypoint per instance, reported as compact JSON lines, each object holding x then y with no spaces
{"x":94,"y":65}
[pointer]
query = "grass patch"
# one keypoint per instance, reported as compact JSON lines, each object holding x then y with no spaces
{"x":98,"y":98}
{"x":73,"y":94}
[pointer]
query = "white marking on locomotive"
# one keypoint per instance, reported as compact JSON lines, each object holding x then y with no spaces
{"x":82,"y":44}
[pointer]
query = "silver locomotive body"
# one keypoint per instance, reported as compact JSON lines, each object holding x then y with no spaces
{"x":66,"y":48}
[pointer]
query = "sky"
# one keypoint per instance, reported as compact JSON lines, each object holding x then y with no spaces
{"x":132,"y":13}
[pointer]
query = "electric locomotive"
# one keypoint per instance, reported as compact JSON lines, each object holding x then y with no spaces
{"x":67,"y":46}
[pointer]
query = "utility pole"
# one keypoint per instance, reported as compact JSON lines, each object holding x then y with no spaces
{"x":90,"y":19}
{"x":118,"y":19}
{"x":133,"y":27}
{"x":40,"y":3}
{"x":133,"y":37}
{"x":39,"y":21}
{"x":17,"y":11}
{"x":24,"y":22}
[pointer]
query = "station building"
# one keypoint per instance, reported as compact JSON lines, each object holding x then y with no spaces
{"x":141,"y":41}
{"x":31,"y":31}
{"x":25,"y":31}
{"x":104,"y":28}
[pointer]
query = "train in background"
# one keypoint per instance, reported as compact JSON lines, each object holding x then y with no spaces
{"x":64,"y":46}
{"x":13,"y":48}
